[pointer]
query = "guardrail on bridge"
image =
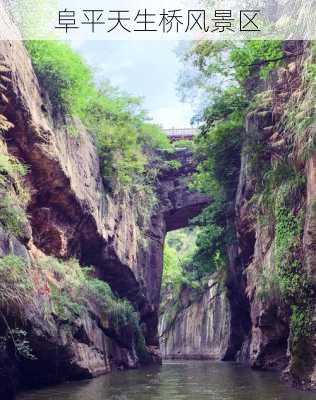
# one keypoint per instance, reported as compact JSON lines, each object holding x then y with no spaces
{"x":181,"y":134}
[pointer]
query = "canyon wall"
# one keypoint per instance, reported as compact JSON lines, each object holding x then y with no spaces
{"x":71,"y":215}
{"x":271,"y":342}
{"x":201,"y":330}
{"x":262,"y":318}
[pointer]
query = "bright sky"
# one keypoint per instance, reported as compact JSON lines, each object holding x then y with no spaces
{"x":148,"y":69}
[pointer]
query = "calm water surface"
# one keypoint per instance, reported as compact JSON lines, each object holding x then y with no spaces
{"x":190,"y":380}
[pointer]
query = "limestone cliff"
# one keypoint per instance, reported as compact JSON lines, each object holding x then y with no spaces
{"x":263,"y":319}
{"x":201,"y":330}
{"x":270,"y":341}
{"x":71,"y":215}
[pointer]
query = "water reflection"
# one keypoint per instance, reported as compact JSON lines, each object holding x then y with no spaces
{"x":190,"y":380}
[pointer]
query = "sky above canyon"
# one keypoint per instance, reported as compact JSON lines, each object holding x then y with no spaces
{"x":148,"y":69}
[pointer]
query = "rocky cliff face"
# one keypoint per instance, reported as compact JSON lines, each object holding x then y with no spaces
{"x":260,"y":323}
{"x":207,"y":323}
{"x":201,"y":330}
{"x":63,"y":349}
{"x":70,"y":215}
{"x":270,"y":340}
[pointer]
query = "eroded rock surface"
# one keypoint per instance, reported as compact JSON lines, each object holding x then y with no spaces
{"x":201,"y":330}
{"x":267,"y":346}
{"x":259,"y":322}
{"x":72,"y":215}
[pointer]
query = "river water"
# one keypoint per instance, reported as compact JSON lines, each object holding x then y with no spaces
{"x":189,"y":380}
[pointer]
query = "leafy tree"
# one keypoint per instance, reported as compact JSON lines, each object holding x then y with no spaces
{"x":172,"y":271}
{"x":218,"y":149}
{"x":221,"y":71}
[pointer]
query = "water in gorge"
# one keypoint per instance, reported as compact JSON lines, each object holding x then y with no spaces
{"x":177,"y":380}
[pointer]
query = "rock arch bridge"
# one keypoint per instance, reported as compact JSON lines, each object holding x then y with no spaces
{"x":140,"y":282}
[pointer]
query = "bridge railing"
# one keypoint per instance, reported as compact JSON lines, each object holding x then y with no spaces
{"x":183,"y":132}
{"x":176,"y":134}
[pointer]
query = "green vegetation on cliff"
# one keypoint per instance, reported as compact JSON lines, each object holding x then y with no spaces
{"x":275,"y":170}
{"x":218,"y":147}
{"x":178,"y":251}
{"x":281,"y":198}
{"x":15,"y":285}
{"x":13,"y":194}
{"x":219,"y":152}
{"x":121,"y":128}
{"x":63,"y":291}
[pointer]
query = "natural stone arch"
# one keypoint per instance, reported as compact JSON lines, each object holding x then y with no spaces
{"x":177,"y":206}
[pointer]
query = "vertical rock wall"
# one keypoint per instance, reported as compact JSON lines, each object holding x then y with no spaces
{"x":260,"y":325}
{"x":201,"y":330}
{"x":72,"y":215}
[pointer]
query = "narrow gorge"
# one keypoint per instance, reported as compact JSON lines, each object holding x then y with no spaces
{"x":119,"y":248}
